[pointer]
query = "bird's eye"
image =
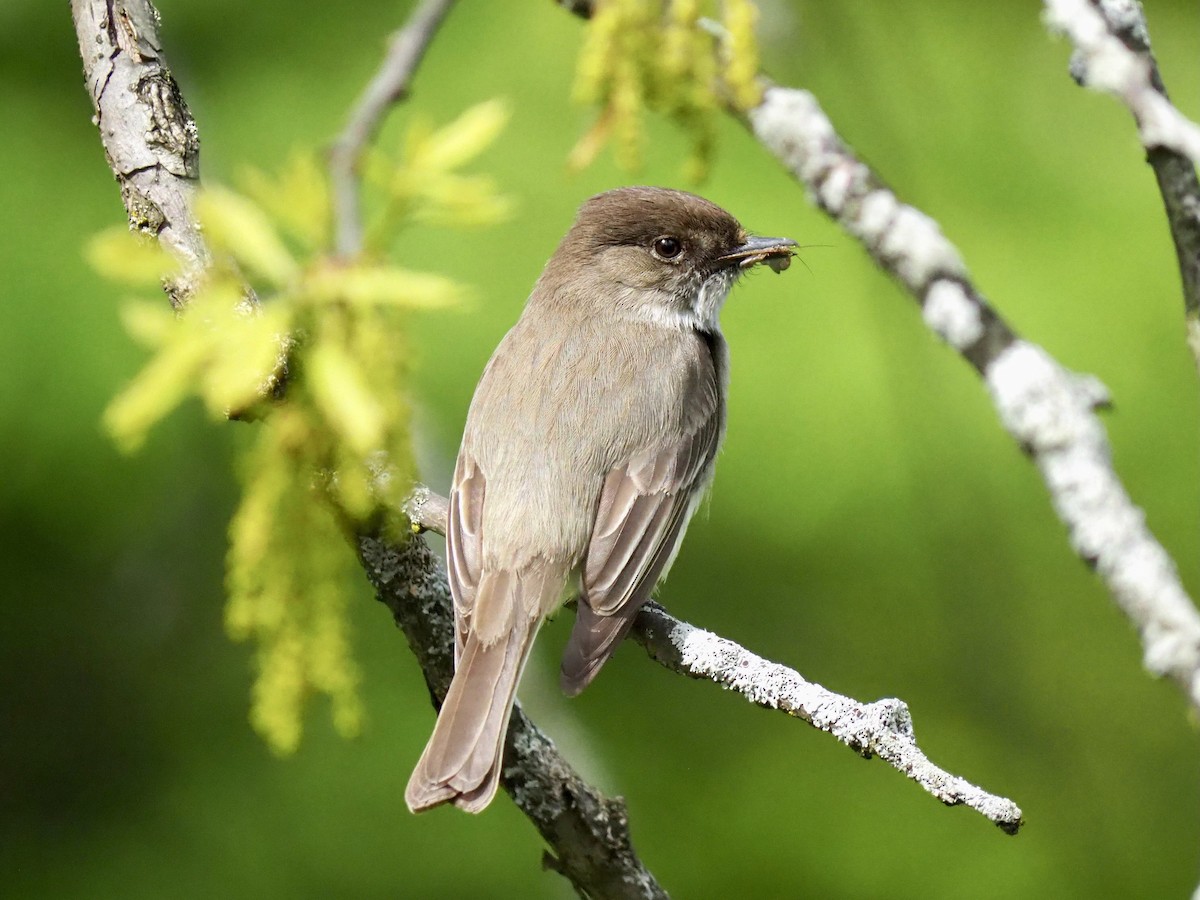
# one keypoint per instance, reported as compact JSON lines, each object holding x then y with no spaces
{"x":667,"y":247}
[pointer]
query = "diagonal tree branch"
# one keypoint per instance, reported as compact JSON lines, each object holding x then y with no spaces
{"x":389,"y":85}
{"x":587,"y":832}
{"x":148,"y":133}
{"x":1112,"y":54}
{"x":883,"y":728}
{"x":1048,"y":410}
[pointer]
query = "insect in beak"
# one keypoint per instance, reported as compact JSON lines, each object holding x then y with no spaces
{"x":775,"y":252}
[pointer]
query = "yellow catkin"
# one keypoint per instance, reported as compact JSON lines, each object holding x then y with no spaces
{"x":333,"y":668}
{"x":740,"y":55}
{"x":627,"y":109}
{"x":313,"y":474}
{"x":593,"y":69}
{"x":682,"y":16}
{"x":248,"y":565}
{"x":639,"y":57}
{"x":278,"y":694}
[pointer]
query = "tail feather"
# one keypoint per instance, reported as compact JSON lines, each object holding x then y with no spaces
{"x":462,"y":761}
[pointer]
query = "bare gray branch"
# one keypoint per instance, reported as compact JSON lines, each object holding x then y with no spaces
{"x":389,"y":85}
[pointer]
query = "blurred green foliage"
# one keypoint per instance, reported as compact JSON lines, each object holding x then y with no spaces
{"x":336,"y":455}
{"x":870,"y":524}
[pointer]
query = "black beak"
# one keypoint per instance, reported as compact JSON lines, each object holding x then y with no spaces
{"x":775,"y":252}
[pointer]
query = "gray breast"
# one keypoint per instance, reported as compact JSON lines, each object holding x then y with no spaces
{"x":554,"y":414}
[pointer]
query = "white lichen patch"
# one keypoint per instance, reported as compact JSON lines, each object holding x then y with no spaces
{"x":787,"y":112}
{"x":952,"y":314}
{"x":875,"y":216}
{"x":844,"y":180}
{"x":1126,"y":16}
{"x":1037,"y":399}
{"x":791,"y":124}
{"x":917,"y":248}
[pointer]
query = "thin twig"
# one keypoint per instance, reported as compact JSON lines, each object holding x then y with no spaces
{"x":1113,"y":54}
{"x":883,"y":728}
{"x":390,"y":84}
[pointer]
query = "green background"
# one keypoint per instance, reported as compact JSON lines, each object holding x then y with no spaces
{"x":871,"y":524}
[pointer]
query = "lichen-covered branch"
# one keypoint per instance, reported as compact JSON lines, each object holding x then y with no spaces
{"x":588,"y":833}
{"x":1112,"y":53}
{"x":390,"y":84}
{"x":148,"y":133}
{"x":1100,"y":30}
{"x":883,"y":728}
{"x":1048,"y":410}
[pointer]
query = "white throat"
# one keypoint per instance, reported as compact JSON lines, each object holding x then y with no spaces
{"x":711,"y":297}
{"x":704,"y":312}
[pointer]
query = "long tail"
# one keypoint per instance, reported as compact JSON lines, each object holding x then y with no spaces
{"x":462,"y":761}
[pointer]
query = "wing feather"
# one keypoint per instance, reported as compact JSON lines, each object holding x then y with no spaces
{"x":641,"y":517}
{"x":464,"y":543}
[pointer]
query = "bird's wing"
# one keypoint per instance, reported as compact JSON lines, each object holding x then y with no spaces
{"x":464,"y":544}
{"x":642,"y":514}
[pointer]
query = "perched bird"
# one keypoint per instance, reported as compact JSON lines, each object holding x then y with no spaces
{"x":590,"y":440}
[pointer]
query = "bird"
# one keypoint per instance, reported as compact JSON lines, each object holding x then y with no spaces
{"x":590,"y":440}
